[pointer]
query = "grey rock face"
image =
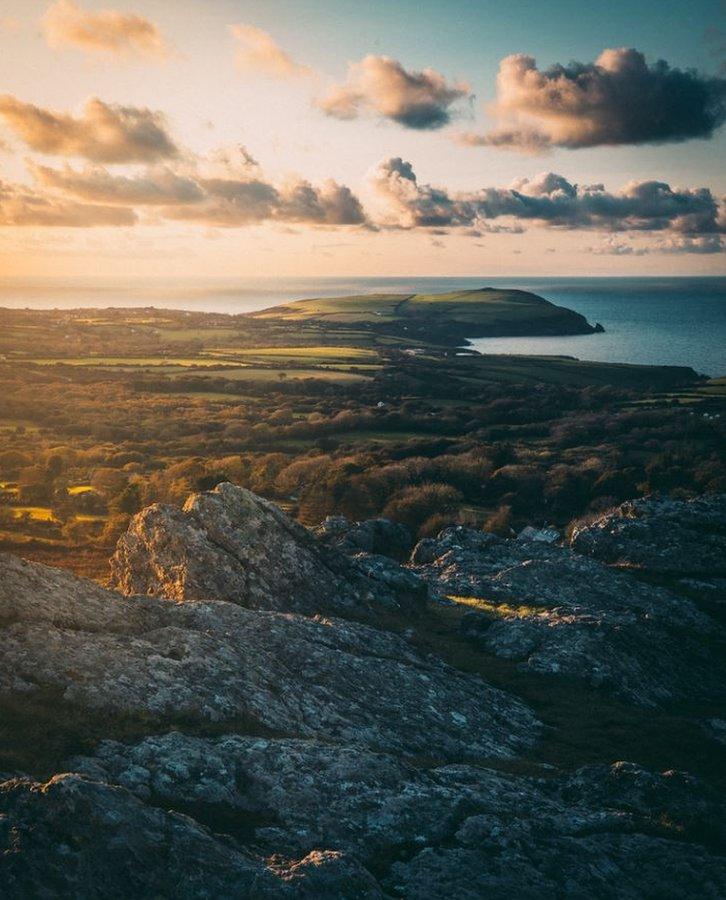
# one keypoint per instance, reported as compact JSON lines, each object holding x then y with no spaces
{"x":402,"y":581}
{"x":380,"y":536}
{"x":547,"y":535}
{"x":229,"y":544}
{"x":453,"y":831}
{"x":598,"y":833}
{"x":302,"y":794}
{"x":349,"y":764}
{"x":557,"y":612}
{"x":211,"y":662}
{"x":683,"y":538}
{"x":74,"y":837}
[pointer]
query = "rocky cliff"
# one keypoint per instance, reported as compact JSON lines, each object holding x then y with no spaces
{"x":262,"y":711}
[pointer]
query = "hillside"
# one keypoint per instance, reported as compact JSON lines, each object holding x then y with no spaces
{"x":444,"y":318}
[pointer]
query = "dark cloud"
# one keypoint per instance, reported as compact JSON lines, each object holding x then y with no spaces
{"x":548,"y":200}
{"x":381,"y":86}
{"x":618,"y":99}
{"x":105,"y":133}
{"x":22,"y":206}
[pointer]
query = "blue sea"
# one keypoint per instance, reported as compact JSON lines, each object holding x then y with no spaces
{"x":657,"y":321}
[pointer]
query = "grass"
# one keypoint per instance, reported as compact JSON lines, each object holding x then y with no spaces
{"x":129,"y":361}
{"x":565,"y":371}
{"x":502,"y":311}
{"x":309,"y":354}
{"x":37,"y":513}
{"x":359,"y":308}
{"x":195,"y":334}
{"x":252,"y":373}
{"x":497,"y":610}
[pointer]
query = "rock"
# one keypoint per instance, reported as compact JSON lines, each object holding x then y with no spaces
{"x":608,"y":832}
{"x":229,"y":544}
{"x":215,"y":662}
{"x":407,"y":585}
{"x":546,"y":535}
{"x":73,"y":837}
{"x":302,"y":795}
{"x":556,"y":612}
{"x":680,"y":538}
{"x":451,"y":831}
{"x":379,"y":536}
{"x":276,"y":754}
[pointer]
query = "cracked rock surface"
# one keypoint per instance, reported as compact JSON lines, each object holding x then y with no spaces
{"x":557,"y":612}
{"x":287,"y":745}
{"x":208,"y":662}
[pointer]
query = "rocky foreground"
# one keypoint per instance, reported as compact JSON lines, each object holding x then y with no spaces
{"x":261,"y":711}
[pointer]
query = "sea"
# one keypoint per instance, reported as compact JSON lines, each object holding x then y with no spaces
{"x":678,"y":321}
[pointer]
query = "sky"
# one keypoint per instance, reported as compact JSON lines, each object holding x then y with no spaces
{"x":331,"y":137}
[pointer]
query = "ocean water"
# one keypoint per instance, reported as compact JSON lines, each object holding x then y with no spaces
{"x":657,"y":321}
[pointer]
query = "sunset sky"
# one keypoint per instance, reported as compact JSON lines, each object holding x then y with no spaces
{"x":224,"y":137}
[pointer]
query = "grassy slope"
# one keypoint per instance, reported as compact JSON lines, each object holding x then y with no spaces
{"x":474,"y":313}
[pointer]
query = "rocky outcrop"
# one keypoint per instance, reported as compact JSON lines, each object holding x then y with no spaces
{"x":453,"y":831}
{"x":605,"y":832}
{"x":229,"y":544}
{"x":263,"y":749}
{"x":379,"y":536}
{"x":215,"y":662}
{"x":75,"y":837}
{"x":677,"y":538}
{"x":557,"y":612}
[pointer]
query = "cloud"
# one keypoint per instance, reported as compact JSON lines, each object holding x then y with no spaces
{"x":21,"y":206}
{"x":617,"y":248}
{"x":618,"y":99}
{"x":707,"y":244}
{"x":548,"y":200}
{"x":156,"y":187}
{"x":106,"y":32}
{"x":380,"y":86}
{"x":232,"y":203}
{"x":105,"y":133}
{"x":257,"y":51}
{"x":226,"y":189}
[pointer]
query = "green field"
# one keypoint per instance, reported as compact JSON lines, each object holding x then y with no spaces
{"x":128,"y":361}
{"x":474,"y":313}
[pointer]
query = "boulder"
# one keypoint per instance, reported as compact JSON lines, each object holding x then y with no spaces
{"x":229,"y":544}
{"x":405,"y":584}
{"x":380,"y":536}
{"x":547,"y":535}
{"x":677,"y":538}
